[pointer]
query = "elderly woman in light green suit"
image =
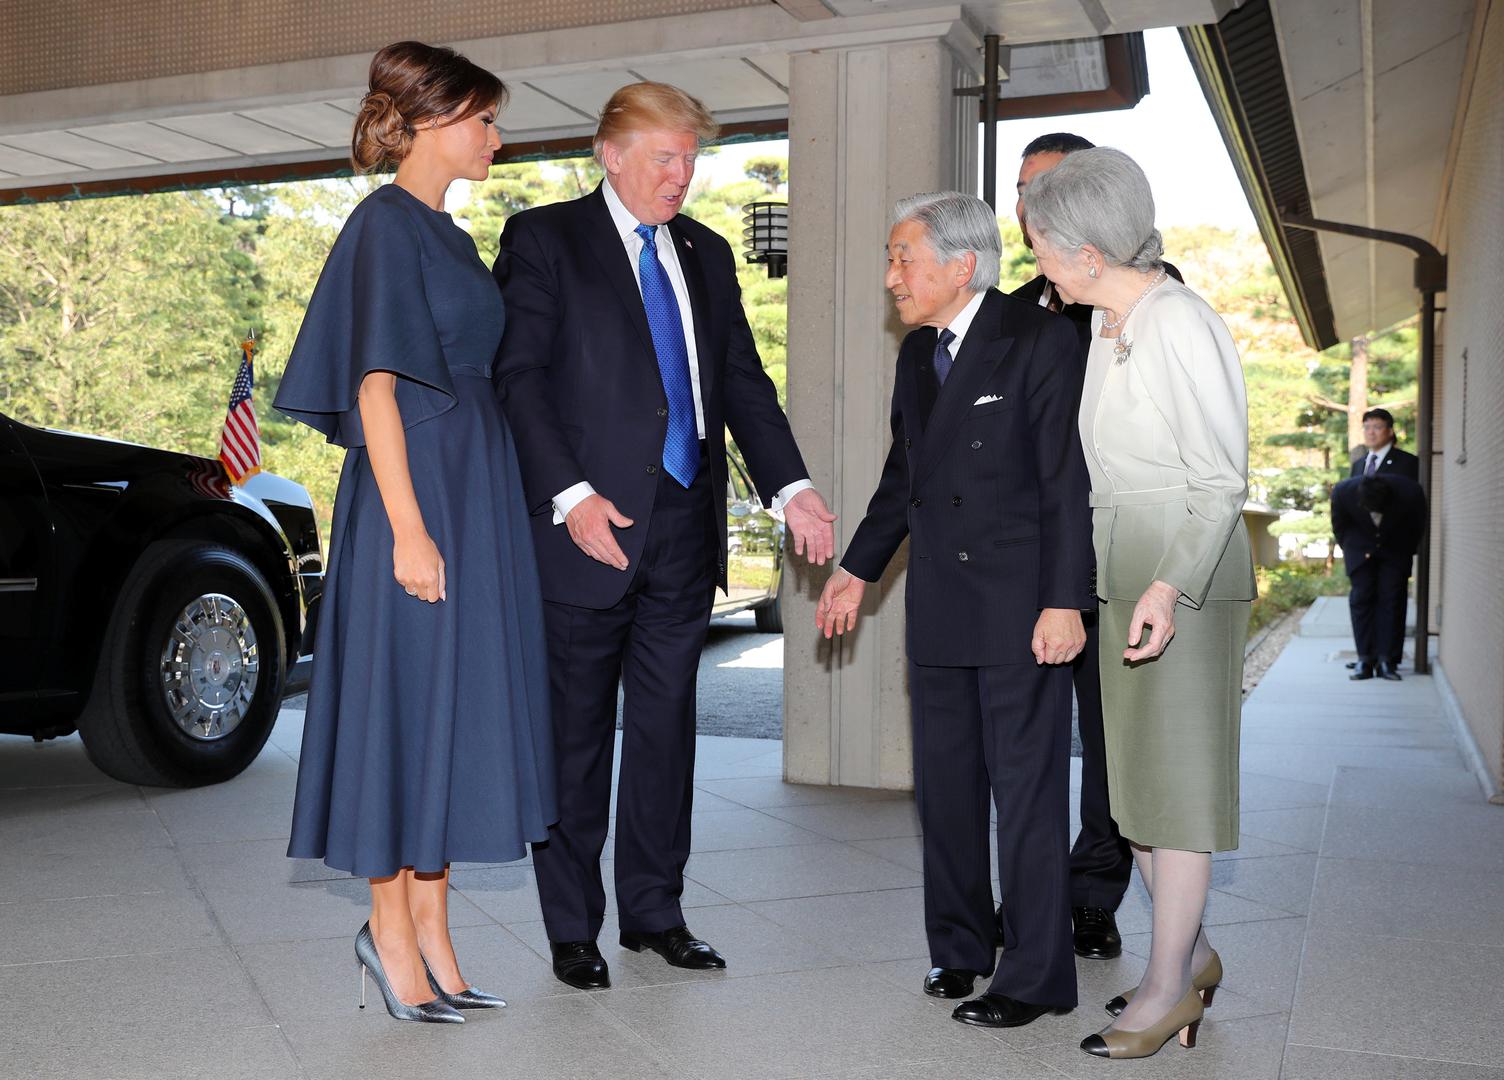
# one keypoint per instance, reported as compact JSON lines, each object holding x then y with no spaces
{"x":1164,"y":425}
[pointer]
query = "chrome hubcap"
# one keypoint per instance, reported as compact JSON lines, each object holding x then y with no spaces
{"x":210,"y":666}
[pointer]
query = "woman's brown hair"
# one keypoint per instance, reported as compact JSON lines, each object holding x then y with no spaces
{"x":411,"y":84}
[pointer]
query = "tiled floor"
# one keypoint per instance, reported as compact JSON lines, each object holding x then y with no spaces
{"x":162,"y":934}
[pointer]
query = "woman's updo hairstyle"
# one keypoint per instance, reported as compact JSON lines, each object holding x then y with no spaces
{"x":1099,"y":197}
{"x":411,"y":84}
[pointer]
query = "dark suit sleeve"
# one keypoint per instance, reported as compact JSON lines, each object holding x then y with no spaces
{"x":1065,"y":553}
{"x":1341,"y":521}
{"x":757,"y":423}
{"x":530,"y":290}
{"x":886,"y":523}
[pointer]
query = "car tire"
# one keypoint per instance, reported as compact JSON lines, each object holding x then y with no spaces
{"x":191,"y":670}
{"x":770,"y":615}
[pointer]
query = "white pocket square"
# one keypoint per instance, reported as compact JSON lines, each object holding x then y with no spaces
{"x":986,"y":398}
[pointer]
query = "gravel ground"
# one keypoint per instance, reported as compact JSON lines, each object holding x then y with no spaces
{"x":1266,"y":649}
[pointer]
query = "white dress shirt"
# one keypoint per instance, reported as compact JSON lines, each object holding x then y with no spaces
{"x":1379,"y":455}
{"x":962,"y":322}
{"x":626,"y":227}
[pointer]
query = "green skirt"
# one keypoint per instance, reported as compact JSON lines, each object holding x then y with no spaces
{"x":1172,"y":727}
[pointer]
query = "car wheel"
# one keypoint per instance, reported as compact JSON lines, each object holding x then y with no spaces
{"x":770,"y":615}
{"x":191,"y":670}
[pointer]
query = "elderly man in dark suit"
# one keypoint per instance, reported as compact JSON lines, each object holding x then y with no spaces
{"x":986,"y":479}
{"x":1378,"y":520}
{"x":625,"y":358}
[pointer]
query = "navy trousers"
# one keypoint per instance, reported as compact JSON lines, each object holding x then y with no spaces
{"x":1380,"y":588}
{"x":1101,"y":860}
{"x":997,"y":734}
{"x":650,"y":643}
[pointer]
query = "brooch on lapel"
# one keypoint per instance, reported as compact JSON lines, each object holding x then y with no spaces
{"x":1122,"y":349}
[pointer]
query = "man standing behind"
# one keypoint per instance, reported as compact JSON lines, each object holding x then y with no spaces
{"x":1383,"y":458}
{"x":626,"y":357}
{"x":986,"y":478}
{"x":1101,"y":862}
{"x":1378,"y":520}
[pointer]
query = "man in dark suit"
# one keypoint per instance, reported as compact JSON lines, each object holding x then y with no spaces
{"x":986,"y":479}
{"x":625,"y":359}
{"x":1378,"y":520}
{"x":1381,"y":456}
{"x":1101,"y":861}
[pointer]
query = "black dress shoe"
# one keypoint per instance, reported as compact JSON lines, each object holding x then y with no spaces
{"x":1096,"y":934}
{"x":999,"y":1011}
{"x":999,"y":941}
{"x":579,"y":964}
{"x":1365,"y":671}
{"x":678,"y":946}
{"x":949,"y":982}
{"x":1390,"y":672}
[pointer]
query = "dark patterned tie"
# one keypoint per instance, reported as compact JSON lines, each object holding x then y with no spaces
{"x":681,"y":446}
{"x":1372,"y":466}
{"x":943,"y":358}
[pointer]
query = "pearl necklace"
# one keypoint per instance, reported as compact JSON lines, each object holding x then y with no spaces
{"x":1122,"y":348}
{"x":1114,"y":325}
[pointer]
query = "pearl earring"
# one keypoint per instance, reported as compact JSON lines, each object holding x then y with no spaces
{"x":1091,"y":270}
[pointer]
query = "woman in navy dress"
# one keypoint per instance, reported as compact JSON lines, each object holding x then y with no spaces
{"x":427,"y":739}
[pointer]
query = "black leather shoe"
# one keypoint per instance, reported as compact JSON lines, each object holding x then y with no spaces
{"x":999,"y":941}
{"x":999,"y":1011}
{"x":678,"y":946}
{"x":1365,"y":671}
{"x":1096,"y":933}
{"x":1390,"y":672}
{"x":949,"y":982}
{"x":579,"y":964}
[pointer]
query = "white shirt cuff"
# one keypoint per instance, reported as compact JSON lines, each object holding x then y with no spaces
{"x":569,"y":498}
{"x":788,"y":492}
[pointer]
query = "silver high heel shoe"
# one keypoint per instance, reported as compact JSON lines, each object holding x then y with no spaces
{"x":427,"y":1012}
{"x":468,"y":998}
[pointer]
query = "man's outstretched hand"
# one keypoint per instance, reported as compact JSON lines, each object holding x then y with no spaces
{"x":809,"y":521}
{"x":839,"y":600}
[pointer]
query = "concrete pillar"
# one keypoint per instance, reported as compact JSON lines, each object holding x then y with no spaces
{"x":867,"y":125}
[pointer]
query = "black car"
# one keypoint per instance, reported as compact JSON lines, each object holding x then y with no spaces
{"x":148,"y":604}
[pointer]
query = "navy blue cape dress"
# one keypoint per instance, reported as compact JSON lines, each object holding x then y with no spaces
{"x":427,"y":737}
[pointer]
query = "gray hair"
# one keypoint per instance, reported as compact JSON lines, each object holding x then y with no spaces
{"x":955,"y":224}
{"x":1098,"y":197}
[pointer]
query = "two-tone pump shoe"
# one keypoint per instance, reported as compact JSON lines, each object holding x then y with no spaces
{"x":468,"y":998}
{"x":1184,"y":1019}
{"x":436,"y":1011}
{"x":1204,"y":982}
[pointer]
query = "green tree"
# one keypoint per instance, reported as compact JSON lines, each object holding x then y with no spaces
{"x":771,"y":171}
{"x":121,"y":316}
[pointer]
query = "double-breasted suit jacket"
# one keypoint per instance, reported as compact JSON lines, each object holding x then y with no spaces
{"x":985,"y":478}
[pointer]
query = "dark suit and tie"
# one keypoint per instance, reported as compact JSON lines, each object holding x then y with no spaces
{"x":598,"y":385}
{"x":1378,"y":520}
{"x":986,"y":480}
{"x":1387,"y":461}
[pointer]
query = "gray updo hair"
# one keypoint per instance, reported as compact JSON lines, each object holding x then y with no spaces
{"x":1098,"y":197}
{"x":955,"y":224}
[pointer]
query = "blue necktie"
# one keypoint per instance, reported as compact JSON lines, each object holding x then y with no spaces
{"x":681,"y":446}
{"x":943,"y":358}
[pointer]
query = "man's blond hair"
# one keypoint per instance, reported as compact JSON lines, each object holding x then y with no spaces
{"x":653,"y":106}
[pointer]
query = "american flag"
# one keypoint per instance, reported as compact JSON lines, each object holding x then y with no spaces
{"x":240,"y":441}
